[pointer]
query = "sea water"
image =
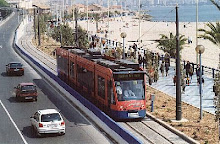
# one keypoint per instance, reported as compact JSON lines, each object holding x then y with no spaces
{"x":187,"y":13}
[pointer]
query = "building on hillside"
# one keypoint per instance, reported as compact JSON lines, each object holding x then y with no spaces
{"x":43,"y":8}
{"x":95,"y":7}
{"x":81,"y":8}
{"x":116,"y":7}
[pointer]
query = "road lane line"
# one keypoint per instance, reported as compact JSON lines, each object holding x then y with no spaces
{"x":13,"y":122}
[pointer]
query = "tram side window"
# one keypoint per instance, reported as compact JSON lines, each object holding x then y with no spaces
{"x":65,"y":65}
{"x":72,"y":69}
{"x":59,"y":61}
{"x":111,"y":98}
{"x":79,"y":73}
{"x":62,"y":64}
{"x":90,"y":81}
{"x":101,"y":87}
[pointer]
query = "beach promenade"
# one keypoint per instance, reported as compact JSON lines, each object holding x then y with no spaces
{"x":191,"y":95}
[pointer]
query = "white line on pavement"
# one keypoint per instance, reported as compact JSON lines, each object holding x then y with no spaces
{"x":13,"y":122}
{"x":0,"y":46}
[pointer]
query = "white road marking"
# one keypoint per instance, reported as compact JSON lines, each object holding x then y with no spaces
{"x":13,"y":122}
{"x":0,"y":46}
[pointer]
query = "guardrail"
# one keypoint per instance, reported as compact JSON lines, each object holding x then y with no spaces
{"x":205,"y":70}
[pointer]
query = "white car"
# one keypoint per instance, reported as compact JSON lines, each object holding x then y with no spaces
{"x":48,"y":121}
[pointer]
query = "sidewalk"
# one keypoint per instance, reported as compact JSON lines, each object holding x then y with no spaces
{"x":191,"y":95}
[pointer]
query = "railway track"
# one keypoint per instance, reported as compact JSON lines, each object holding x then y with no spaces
{"x":150,"y":132}
{"x":147,"y":130}
{"x":51,"y":63}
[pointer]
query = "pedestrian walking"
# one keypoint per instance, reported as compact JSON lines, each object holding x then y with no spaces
{"x":140,"y":59}
{"x":190,"y":73}
{"x":156,"y":75}
{"x":187,"y":80}
{"x":167,"y":68}
{"x":143,"y":61}
{"x":157,"y":59}
{"x":174,"y":80}
{"x":198,"y":81}
{"x":126,"y":52}
{"x":167,"y":58}
{"x":187,"y":67}
{"x":198,"y":71}
{"x":183,"y":84}
{"x":129,"y":52}
{"x":162,"y":68}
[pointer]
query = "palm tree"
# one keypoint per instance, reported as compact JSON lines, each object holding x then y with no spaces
{"x":97,"y":17}
{"x":215,"y":3}
{"x":213,"y":34}
{"x":168,"y":44}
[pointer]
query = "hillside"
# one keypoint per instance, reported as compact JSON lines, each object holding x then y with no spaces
{"x":3,"y":3}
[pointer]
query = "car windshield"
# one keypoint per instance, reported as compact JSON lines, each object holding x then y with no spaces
{"x":50,"y":117}
{"x":28,"y":88}
{"x":130,"y":90}
{"x":15,"y":65}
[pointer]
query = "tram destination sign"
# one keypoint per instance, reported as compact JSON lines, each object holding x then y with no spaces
{"x":131,"y":76}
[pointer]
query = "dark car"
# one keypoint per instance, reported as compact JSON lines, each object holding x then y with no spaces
{"x":14,"y":68}
{"x":26,"y":91}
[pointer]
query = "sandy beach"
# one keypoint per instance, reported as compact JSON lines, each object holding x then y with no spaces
{"x":152,"y":30}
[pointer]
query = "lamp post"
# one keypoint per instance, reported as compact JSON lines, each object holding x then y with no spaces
{"x":139,"y":17}
{"x":178,"y":74}
{"x":123,"y":35}
{"x":87,"y":15}
{"x":200,"y":49}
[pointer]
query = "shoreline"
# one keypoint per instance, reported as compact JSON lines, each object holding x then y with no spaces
{"x":151,"y":31}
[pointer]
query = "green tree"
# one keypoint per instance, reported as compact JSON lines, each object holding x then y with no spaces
{"x":43,"y":23}
{"x":82,"y":38}
{"x":215,"y":3}
{"x":97,"y":17}
{"x":65,"y":35}
{"x":3,"y":3}
{"x":213,"y":34}
{"x":168,"y":44}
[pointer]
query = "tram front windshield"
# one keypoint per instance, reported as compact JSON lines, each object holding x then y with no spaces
{"x":130,"y":90}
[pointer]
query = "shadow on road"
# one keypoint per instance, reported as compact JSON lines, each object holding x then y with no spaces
{"x":66,"y":109}
{"x":4,"y":74}
{"x":12,"y":100}
{"x":29,"y":132}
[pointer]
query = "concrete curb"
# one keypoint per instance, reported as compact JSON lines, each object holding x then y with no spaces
{"x":172,"y":129}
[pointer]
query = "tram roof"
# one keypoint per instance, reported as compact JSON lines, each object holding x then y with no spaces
{"x":95,"y":56}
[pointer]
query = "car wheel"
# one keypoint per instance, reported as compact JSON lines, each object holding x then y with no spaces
{"x":33,"y":129}
{"x":35,"y":99}
{"x":38,"y":134}
{"x":62,"y":133}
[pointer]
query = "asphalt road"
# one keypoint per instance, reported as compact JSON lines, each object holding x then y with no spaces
{"x":15,"y":125}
